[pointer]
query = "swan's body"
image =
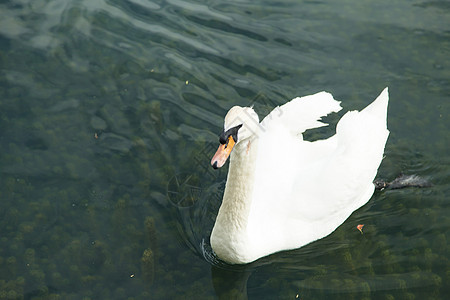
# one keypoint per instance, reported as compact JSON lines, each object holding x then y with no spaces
{"x":283,"y":192}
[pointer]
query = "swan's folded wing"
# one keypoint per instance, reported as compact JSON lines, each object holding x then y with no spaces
{"x":302,"y":113}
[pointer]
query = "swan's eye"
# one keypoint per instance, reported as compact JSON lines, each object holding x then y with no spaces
{"x":226,"y":144}
{"x":223,"y":137}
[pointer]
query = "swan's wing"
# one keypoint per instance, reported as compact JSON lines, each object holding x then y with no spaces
{"x":302,"y":113}
{"x":341,"y":181}
{"x":281,"y":160}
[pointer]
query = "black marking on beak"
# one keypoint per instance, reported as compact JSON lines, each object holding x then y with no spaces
{"x":215,"y":165}
{"x":223,"y":137}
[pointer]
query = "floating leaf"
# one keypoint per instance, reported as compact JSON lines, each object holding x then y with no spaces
{"x":360,"y":228}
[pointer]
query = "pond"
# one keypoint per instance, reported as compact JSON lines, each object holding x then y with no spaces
{"x":110,"y":113}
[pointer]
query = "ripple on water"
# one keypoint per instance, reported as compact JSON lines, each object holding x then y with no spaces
{"x":104,"y":103}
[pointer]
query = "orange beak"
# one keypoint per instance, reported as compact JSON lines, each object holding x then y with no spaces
{"x":222,"y":153}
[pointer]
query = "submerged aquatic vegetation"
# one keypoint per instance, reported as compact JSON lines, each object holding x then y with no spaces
{"x":87,"y":217}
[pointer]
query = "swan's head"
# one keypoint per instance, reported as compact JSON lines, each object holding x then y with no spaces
{"x":241,"y":123}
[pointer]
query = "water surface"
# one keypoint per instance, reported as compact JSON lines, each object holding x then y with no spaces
{"x":110,"y":111}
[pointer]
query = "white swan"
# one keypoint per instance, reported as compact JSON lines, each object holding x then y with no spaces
{"x":283,"y":192}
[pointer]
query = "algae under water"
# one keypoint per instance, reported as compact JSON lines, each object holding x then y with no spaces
{"x":109,"y":115}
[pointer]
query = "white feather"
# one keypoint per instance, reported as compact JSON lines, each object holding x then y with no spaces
{"x":283,"y":192}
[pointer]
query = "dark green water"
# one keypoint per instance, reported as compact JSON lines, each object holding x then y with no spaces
{"x":109,"y":115}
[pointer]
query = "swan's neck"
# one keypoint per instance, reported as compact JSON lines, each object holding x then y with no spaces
{"x":230,"y":228}
{"x":238,"y":191}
